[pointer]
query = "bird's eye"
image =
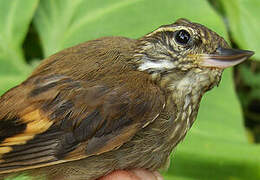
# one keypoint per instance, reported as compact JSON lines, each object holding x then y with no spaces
{"x":182,"y":37}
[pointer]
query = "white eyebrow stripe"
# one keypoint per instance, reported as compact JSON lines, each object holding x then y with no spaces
{"x":162,"y":29}
{"x":157,"y":65}
{"x":170,"y":29}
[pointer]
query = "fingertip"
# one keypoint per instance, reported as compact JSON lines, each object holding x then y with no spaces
{"x":144,"y":174}
{"x":158,"y":175}
{"x":134,"y":174}
{"x":120,"y":175}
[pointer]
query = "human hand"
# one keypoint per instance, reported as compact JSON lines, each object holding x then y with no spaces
{"x":136,"y":174}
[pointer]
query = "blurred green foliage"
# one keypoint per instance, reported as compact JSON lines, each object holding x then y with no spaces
{"x":248,"y":88}
{"x":243,"y":20}
{"x":217,"y":146}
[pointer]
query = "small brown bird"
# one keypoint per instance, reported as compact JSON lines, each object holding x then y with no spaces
{"x":111,"y":103}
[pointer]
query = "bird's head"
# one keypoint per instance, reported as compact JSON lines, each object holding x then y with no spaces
{"x":188,"y":53}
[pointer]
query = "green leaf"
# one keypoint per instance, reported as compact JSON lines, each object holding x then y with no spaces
{"x":15,"y":18}
{"x":63,"y":23}
{"x":243,"y":17}
{"x":8,"y":81}
{"x":25,"y":176}
{"x":249,"y":77}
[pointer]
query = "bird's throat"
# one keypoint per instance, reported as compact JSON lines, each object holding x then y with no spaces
{"x":185,"y":90}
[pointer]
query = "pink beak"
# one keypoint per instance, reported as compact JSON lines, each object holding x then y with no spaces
{"x":224,"y":58}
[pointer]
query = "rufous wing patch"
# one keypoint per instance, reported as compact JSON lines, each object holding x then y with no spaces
{"x":36,"y":123}
{"x":4,"y":150}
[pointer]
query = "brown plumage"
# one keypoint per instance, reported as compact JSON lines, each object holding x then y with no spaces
{"x":111,"y":103}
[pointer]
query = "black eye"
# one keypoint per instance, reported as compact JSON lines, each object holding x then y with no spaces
{"x":182,"y":37}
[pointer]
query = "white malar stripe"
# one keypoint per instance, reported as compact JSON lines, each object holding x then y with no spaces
{"x":156,"y":65}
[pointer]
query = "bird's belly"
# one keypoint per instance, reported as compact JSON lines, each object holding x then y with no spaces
{"x":151,"y":147}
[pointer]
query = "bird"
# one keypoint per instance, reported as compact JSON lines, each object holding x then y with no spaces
{"x":112,"y":103}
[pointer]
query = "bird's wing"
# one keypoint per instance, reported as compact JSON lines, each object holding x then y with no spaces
{"x":54,"y":119}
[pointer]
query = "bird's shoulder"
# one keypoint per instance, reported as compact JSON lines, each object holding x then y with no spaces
{"x":105,"y":55}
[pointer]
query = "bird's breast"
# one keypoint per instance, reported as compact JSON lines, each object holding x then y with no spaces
{"x":181,"y":119}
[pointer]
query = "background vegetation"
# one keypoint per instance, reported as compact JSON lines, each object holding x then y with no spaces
{"x":218,"y":146}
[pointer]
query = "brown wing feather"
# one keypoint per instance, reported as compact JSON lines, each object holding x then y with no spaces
{"x":55,"y":119}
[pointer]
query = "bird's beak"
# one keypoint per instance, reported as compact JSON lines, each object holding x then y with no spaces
{"x":224,"y":58}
